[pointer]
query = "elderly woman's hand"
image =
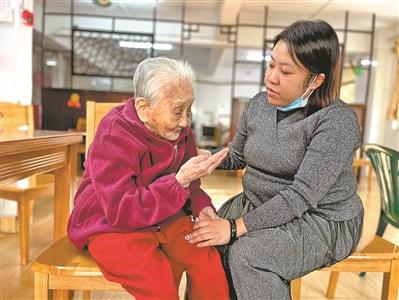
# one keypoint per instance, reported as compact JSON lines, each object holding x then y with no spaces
{"x":207,"y":213}
{"x":199,"y":166}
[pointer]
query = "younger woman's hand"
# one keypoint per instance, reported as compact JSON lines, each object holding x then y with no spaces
{"x":210,"y":232}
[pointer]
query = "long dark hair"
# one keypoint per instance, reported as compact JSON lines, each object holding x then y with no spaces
{"x":314,"y":44}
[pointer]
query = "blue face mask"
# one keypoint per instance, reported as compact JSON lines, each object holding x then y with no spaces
{"x":300,"y":101}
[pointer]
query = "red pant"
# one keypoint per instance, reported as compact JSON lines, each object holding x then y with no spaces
{"x":149,"y":265}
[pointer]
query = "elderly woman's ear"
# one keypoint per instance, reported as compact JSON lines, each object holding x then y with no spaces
{"x":141,"y":108}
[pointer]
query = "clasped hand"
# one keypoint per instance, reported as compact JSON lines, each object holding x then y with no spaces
{"x":199,"y":166}
{"x":209,"y":229}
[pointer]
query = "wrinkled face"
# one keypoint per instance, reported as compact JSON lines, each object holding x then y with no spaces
{"x":167,"y":116}
{"x":284,"y":79}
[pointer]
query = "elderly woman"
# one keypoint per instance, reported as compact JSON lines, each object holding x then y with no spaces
{"x":141,"y":178}
{"x":299,"y":210}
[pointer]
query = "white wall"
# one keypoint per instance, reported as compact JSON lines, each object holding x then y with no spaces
{"x":378,"y":129}
{"x":15,"y":65}
{"x":15,"y":54}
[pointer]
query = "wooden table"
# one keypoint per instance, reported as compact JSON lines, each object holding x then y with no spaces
{"x":23,"y":154}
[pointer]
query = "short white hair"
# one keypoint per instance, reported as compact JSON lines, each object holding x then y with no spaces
{"x":153,"y":73}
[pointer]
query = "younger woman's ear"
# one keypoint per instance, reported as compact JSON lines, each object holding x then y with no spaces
{"x":319,"y":81}
{"x":141,"y":109}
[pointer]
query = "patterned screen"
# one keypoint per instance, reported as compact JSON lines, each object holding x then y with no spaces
{"x":109,"y":54}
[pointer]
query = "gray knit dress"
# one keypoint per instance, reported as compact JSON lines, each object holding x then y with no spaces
{"x":299,"y":200}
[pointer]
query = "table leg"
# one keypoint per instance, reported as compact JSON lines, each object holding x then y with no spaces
{"x":62,"y":192}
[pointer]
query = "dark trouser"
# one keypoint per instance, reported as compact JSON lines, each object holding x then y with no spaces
{"x":262,"y":263}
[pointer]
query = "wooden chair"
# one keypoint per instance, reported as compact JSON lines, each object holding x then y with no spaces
{"x":16,"y":118}
{"x":386,"y":165}
{"x":80,"y":127}
{"x":62,"y":267}
{"x":95,"y":112}
{"x":358,"y":163}
{"x":378,"y":256}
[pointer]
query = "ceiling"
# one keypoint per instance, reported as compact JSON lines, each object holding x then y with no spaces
{"x":280,"y":12}
{"x":225,"y":11}
{"x":383,"y":8}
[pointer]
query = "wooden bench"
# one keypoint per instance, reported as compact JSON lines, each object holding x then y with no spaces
{"x":62,"y":267}
{"x":378,"y":256}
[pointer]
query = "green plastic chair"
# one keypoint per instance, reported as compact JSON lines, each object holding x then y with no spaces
{"x":385,"y":164}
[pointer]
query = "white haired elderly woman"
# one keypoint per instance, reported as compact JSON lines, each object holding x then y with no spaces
{"x":140,"y":183}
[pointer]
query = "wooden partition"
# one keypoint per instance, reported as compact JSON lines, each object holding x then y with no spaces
{"x":237,"y":107}
{"x":360,"y":110}
{"x":56,"y":115}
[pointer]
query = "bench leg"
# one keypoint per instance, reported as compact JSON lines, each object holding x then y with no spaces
{"x":390,"y":283}
{"x":332,"y":284}
{"x":295,"y":286}
{"x":41,"y":286}
{"x":85,"y":295}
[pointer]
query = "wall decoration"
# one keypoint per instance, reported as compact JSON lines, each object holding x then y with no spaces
{"x":74,"y":101}
{"x":27,"y":17}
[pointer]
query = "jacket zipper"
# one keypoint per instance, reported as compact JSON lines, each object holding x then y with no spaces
{"x":175,"y":148}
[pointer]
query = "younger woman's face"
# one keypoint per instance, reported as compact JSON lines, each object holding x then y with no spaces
{"x":284,"y":79}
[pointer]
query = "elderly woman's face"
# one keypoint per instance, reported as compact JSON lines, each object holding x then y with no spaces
{"x":284,"y":79}
{"x":170,"y":114}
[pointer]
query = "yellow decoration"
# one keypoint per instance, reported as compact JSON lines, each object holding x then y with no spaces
{"x":74,"y":101}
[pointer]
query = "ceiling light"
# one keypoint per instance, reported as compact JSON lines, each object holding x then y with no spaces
{"x":51,"y":62}
{"x":145,"y":45}
{"x":258,"y":57}
{"x":160,"y":46}
{"x":366,"y":62}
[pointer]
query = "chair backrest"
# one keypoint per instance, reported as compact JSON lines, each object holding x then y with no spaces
{"x":95,"y":111}
{"x":15,"y":118}
{"x":385,"y":164}
{"x":81,"y":124}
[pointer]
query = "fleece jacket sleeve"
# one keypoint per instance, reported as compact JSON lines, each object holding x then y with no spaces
{"x":199,"y":199}
{"x":114,"y":166}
